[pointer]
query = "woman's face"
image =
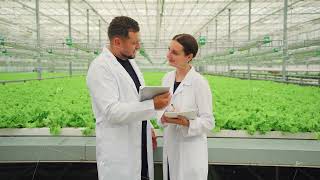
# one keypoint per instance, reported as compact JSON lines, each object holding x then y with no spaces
{"x":176,"y":56}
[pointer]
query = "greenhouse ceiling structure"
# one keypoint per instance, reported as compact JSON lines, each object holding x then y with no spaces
{"x":222,"y":25}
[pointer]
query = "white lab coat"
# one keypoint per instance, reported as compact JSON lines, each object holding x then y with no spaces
{"x":186,"y":147}
{"x":118,"y":114}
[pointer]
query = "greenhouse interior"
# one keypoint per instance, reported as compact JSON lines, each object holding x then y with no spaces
{"x":261,"y":59}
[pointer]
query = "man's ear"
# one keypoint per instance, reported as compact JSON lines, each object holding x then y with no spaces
{"x":116,"y":41}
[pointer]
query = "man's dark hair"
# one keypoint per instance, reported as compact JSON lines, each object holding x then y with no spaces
{"x":189,"y":43}
{"x":121,"y":26}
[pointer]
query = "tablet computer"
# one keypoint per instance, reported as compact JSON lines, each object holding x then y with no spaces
{"x":148,"y":92}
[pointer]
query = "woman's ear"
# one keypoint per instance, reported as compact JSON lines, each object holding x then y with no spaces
{"x":189,"y":57}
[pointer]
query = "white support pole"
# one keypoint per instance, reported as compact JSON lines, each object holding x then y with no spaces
{"x":249,"y":39}
{"x":99,"y":33}
{"x":39,"y":68}
{"x":285,"y":40}
{"x":70,"y":36}
{"x":88,"y":32}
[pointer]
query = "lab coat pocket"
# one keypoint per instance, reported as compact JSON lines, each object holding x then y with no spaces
{"x":116,"y":141}
{"x":195,"y":155}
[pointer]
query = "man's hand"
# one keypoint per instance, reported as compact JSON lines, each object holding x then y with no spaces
{"x":154,"y":139}
{"x":162,"y":100}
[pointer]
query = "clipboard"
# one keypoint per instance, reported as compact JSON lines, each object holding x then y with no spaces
{"x":190,"y":115}
{"x":148,"y":92}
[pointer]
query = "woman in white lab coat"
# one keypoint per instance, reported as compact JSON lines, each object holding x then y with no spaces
{"x":185,"y":151}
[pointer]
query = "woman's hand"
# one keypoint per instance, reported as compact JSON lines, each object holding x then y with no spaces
{"x":180,"y":121}
{"x":154,"y":139}
{"x":163,"y":119}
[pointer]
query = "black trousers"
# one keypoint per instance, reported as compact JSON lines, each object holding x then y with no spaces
{"x":144,"y":153}
{"x":168,"y":171}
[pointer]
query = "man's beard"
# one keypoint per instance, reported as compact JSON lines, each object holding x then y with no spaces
{"x":128,"y":56}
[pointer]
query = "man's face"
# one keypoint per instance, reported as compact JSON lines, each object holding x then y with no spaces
{"x":130,"y":45}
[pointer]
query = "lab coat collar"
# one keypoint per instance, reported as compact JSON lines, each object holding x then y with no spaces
{"x":109,"y":56}
{"x":137,"y":70}
{"x":185,"y":82}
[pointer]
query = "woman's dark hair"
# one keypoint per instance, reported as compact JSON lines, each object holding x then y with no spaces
{"x":189,"y":43}
{"x":121,"y":26}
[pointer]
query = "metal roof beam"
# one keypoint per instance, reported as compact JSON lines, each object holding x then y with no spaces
{"x":95,"y":11}
{"x":214,"y":17}
{"x":42,"y":14}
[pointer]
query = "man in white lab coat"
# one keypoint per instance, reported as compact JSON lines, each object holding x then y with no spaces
{"x":123,"y":131}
